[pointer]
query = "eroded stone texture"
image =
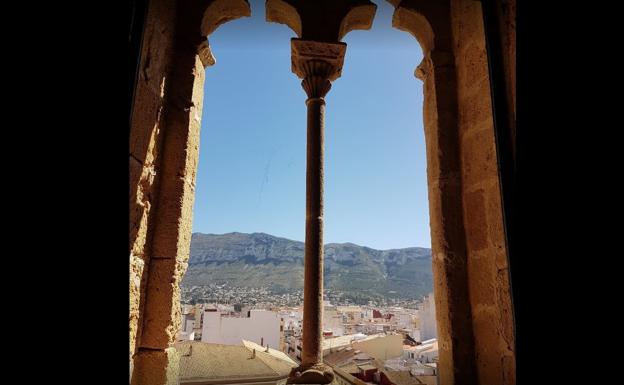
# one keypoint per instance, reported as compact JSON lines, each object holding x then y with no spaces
{"x":137,"y":267}
{"x":172,"y":220}
{"x":429,"y":23}
{"x":164,"y":145}
{"x":162,"y":314}
{"x":156,"y":367}
{"x":471,"y":285}
{"x":490,"y":298}
{"x":144,"y":147}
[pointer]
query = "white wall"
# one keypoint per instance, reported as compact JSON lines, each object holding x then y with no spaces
{"x":261,"y":324}
{"x":190,"y":326}
{"x":292,"y":319}
{"x":186,"y":324}
{"x":332,"y":321}
{"x":185,"y":336}
{"x":427,"y":314}
{"x":404,"y":320}
{"x":427,"y":352}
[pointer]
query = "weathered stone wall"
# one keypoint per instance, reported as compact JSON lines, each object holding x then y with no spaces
{"x":164,"y":152}
{"x":446,"y":221}
{"x":471,"y":283}
{"x":507,"y":16}
{"x":165,"y":242}
{"x":430,"y":24}
{"x":488,"y":275}
{"x":145,"y":147}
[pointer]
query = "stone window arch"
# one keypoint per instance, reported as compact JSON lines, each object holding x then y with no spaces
{"x":471,"y":283}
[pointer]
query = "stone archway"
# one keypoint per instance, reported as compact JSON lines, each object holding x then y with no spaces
{"x":471,"y":280}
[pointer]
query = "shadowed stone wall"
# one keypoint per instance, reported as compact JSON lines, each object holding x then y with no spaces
{"x":471,"y":277}
{"x":488,"y":283}
{"x":145,"y":148}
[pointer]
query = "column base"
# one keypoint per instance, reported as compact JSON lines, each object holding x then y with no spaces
{"x":315,"y":374}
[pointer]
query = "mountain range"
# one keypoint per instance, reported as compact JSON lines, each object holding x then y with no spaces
{"x":263,"y":260}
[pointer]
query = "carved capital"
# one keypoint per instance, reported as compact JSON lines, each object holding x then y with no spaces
{"x":317,"y":64}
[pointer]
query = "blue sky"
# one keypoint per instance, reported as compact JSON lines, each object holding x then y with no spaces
{"x":251,"y":175}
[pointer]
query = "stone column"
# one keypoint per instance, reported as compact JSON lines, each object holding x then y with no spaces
{"x":313,"y":293}
{"x":317,"y":58}
{"x":317,"y":64}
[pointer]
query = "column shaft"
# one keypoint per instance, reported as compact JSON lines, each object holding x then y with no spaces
{"x":313,"y":260}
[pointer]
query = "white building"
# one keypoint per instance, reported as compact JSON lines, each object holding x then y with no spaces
{"x":186,"y":332}
{"x":185,"y":336}
{"x":425,"y":353}
{"x":367,"y":313}
{"x":415,"y":334}
{"x":419,"y":369}
{"x":351,"y":313}
{"x":190,"y":326}
{"x":427,"y":315}
{"x":332,"y":321}
{"x":261,"y":326}
{"x":428,"y":352}
{"x":405,"y":319}
{"x":187,"y":323}
{"x":292,"y":319}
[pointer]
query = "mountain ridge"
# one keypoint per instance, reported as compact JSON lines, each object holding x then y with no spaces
{"x":264,"y":260}
{"x":292,"y":240}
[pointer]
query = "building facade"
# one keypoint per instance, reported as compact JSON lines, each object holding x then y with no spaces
{"x":260,"y":326}
{"x":427,"y":315}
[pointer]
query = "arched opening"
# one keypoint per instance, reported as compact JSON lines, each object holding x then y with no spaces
{"x":250,"y":197}
{"x":250,"y":172}
{"x":472,"y":288}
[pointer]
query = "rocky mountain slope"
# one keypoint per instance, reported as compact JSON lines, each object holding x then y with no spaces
{"x":262,"y":260}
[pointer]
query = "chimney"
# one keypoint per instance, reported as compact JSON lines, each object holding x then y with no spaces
{"x":267,"y":349}
{"x":253,"y":354}
{"x":261,"y":341}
